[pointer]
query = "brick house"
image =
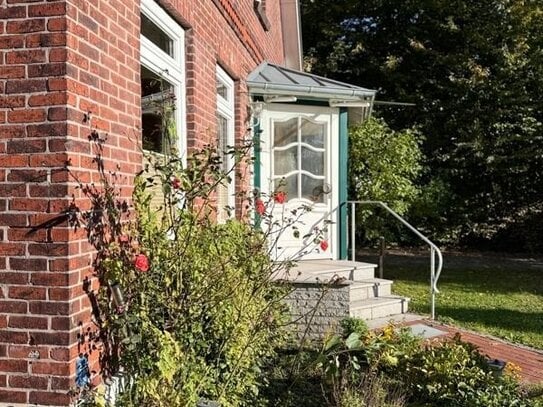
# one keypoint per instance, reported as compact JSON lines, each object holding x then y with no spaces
{"x":69,"y":68}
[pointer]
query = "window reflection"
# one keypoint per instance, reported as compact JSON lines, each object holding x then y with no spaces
{"x":285,"y":132}
{"x":154,"y":34}
{"x":157,"y":109}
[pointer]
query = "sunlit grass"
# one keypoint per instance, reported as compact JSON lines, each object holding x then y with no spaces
{"x":499,"y":296}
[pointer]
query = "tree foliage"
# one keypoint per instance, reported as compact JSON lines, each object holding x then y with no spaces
{"x":474,"y":71}
{"x":384,"y":164}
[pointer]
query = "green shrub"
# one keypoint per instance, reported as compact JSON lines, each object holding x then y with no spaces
{"x":384,"y":165}
{"x":199,"y":312}
{"x":357,"y":325}
{"x":454,"y":373}
{"x":391,"y":368}
{"x":355,"y":366}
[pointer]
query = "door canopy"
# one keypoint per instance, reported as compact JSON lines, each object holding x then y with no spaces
{"x":275,"y":83}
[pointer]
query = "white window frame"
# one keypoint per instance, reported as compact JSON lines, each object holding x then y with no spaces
{"x":171,"y":68}
{"x":226,"y":108}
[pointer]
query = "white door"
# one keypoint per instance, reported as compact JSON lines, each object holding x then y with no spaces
{"x":299,"y":151}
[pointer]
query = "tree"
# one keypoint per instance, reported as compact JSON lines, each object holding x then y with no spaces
{"x":384,"y":165}
{"x":474,"y":71}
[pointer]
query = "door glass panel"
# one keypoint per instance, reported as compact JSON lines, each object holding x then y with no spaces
{"x":288,"y":185}
{"x":313,"y":161}
{"x":313,"y":133}
{"x":312,"y":189}
{"x":285,"y":161}
{"x":286,"y":132}
{"x":154,"y":34}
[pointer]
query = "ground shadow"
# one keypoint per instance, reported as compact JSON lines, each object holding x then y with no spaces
{"x":493,"y":274}
{"x":520,"y":321}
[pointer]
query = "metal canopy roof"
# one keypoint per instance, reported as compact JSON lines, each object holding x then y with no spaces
{"x":271,"y":79}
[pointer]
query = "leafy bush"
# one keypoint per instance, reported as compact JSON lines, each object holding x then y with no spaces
{"x":356,"y":325}
{"x":187,"y":308}
{"x":391,"y":368}
{"x":384,"y":165}
{"x":454,"y":373}
{"x":356,"y":365}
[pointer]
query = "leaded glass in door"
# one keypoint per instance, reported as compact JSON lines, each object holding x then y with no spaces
{"x":299,"y":158}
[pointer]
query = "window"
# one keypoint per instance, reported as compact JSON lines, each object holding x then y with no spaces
{"x":226,"y":191}
{"x":162,"y":80}
{"x":299,"y":159}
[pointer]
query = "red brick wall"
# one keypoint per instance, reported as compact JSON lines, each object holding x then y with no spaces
{"x":62,"y":62}
{"x":59,"y":62}
{"x":229,"y":33}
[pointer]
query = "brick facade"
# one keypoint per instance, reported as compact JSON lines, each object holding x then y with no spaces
{"x":70,"y":70}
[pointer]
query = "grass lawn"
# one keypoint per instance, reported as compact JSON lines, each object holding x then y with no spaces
{"x":498,"y":295}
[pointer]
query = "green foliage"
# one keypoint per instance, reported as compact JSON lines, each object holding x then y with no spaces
{"x":392,"y":368}
{"x":199,"y":313}
{"x":354,"y":325}
{"x":355,"y":365}
{"x":384,"y":165}
{"x":474,"y":72}
{"x":294,"y":380}
{"x":454,"y":373}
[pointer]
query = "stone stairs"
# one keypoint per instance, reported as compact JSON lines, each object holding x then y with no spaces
{"x":345,"y":288}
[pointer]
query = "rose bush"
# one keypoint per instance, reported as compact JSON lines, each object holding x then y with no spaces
{"x":195,"y":311}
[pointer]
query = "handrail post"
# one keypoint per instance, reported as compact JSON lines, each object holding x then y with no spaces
{"x":382,"y":249}
{"x":433,"y":280}
{"x":353,"y":231}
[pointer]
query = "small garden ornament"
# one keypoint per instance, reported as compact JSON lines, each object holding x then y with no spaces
{"x":82,"y":373}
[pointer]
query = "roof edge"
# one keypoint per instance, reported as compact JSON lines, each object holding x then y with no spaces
{"x":341,"y":90}
{"x":315,"y":92}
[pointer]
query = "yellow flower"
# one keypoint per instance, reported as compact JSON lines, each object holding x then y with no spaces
{"x":512,"y":370}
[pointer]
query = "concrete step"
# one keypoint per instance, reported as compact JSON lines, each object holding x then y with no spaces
{"x":378,"y":307}
{"x":395,"y":319}
{"x":350,"y":271}
{"x":311,"y":271}
{"x":369,"y":288}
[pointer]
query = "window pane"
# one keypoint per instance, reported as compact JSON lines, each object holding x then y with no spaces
{"x":157,"y":105}
{"x":222,"y":90}
{"x":153,"y":84}
{"x":312,"y":189}
{"x":154,"y":34}
{"x":288,"y":185}
{"x":285,"y":161}
{"x":222,"y":139}
{"x":313,"y":161}
{"x":152,"y":132}
{"x":313,"y":133}
{"x":222,"y":189}
{"x":285,"y":132}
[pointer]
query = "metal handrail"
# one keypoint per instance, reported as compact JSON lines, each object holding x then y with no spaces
{"x":434,"y":250}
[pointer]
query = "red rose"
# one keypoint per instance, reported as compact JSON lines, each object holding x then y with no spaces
{"x":141,"y":262}
{"x":123,"y":239}
{"x":324,"y":245}
{"x":280,"y":197}
{"x":176,"y":183}
{"x":260,"y":208}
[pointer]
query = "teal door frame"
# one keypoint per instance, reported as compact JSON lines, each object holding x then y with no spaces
{"x":343,"y":182}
